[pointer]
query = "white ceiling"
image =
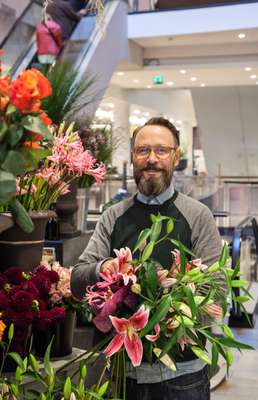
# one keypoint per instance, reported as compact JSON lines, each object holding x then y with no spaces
{"x":214,"y":59}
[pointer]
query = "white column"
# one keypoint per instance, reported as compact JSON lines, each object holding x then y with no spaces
{"x":121,"y":136}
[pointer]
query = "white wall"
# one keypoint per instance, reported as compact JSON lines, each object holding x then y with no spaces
{"x":228,"y":122}
{"x":10,"y":10}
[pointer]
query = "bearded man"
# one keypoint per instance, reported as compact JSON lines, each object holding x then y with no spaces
{"x":155,"y":155}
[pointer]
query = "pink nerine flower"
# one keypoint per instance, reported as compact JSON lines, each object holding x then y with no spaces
{"x":127,"y":335}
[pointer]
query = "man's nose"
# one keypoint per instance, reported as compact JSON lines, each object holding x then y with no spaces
{"x":152,"y":156}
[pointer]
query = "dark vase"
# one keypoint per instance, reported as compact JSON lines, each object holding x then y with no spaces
{"x":21,"y":249}
{"x":181,"y":165}
{"x":63,"y":332}
{"x":66,"y":208}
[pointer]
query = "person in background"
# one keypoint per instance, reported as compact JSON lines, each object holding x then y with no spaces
{"x":78,"y":5}
{"x":155,"y":153}
{"x":63,"y":14}
{"x":49,"y":42}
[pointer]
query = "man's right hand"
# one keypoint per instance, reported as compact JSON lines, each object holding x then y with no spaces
{"x":108,"y":267}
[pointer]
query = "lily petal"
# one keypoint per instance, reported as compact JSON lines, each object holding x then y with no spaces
{"x":140,"y":318}
{"x":153,"y":338}
{"x":114,"y":346}
{"x":134,"y":349}
{"x":120,"y":324}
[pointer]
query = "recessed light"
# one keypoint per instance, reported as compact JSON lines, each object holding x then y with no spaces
{"x":136,"y":112}
{"x":171,"y":120}
{"x":148,"y":86}
{"x":146,"y":114}
{"x":256,"y":83}
{"x":179,"y":122}
{"x":242,"y":35}
{"x":120,"y":73}
{"x":248,"y":69}
{"x":193,"y":78}
{"x":136,"y":81}
{"x":253,"y":76}
{"x":170,"y":83}
{"x":202,"y":84}
{"x":182,"y":71}
{"x":111,"y":105}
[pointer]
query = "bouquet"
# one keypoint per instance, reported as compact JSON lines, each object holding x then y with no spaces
{"x":154,"y":314}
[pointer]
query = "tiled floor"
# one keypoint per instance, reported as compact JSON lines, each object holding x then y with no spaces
{"x":242,"y":383}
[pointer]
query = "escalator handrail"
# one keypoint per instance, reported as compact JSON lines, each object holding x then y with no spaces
{"x":6,"y":38}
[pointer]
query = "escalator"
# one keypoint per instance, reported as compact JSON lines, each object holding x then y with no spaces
{"x":94,"y":49}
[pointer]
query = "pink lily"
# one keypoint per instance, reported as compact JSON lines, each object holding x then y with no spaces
{"x":124,"y":267}
{"x":153,"y":338}
{"x":127,"y":335}
{"x":163,"y":280}
{"x":185,"y":340}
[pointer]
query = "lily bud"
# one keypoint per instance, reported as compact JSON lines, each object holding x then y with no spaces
{"x":136,"y":288}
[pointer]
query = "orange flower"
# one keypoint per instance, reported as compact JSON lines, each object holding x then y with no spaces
{"x":5,"y":86}
{"x":2,"y":329}
{"x":3,"y":103}
{"x":45,"y":118}
{"x":31,"y":145}
{"x":26,"y":91}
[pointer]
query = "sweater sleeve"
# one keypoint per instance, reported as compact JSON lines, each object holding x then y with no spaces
{"x":97,"y":251}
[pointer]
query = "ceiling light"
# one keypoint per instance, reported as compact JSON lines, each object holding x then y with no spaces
{"x":182,"y":71}
{"x":241,"y":35}
{"x":203,"y":85}
{"x":170,"y":83}
{"x":193,"y":78}
{"x":256,"y":83}
{"x":136,"y":81}
{"x":253,"y":76}
{"x":120,"y":73}
{"x":146,"y":114}
{"x":179,"y":122}
{"x":148,"y":86}
{"x":171,"y":120}
{"x":136,"y":112}
{"x":111,"y":105}
{"x":248,"y":69}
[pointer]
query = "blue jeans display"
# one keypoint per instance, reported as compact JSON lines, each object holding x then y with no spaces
{"x":195,"y":386}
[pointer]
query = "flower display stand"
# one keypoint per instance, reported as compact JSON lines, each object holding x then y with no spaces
{"x":21,"y":249}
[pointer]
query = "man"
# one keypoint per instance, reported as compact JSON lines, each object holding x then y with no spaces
{"x":155,"y":155}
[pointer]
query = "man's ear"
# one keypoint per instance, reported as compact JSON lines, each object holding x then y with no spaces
{"x":177,"y":156}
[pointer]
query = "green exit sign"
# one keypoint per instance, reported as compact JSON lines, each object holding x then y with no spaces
{"x":158,"y":79}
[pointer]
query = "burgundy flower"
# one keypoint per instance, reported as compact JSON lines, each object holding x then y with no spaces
{"x":3,"y":280}
{"x":14,"y":275}
{"x":49,"y":317}
{"x":31,"y":288}
{"x":19,"y":319}
{"x":53,"y":276}
{"x":4,"y":300}
{"x":57,"y":314}
{"x":42,"y":283}
{"x":22,"y":300}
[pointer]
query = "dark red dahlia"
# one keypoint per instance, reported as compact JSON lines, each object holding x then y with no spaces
{"x":14,"y":275}
{"x":4,"y":300}
{"x":22,"y":300}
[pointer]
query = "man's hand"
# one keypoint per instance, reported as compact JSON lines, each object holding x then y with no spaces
{"x":108,"y":267}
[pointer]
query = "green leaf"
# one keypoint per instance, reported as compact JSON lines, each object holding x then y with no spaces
{"x":17,"y":358}
{"x":10,"y":333}
{"x":177,"y":243}
{"x":170,"y":225}
{"x":34,"y":362}
{"x":36,"y":125}
{"x":103,"y":388}
{"x":15,"y":133}
{"x":201,"y":354}
{"x":159,"y":314}
{"x":153,"y":218}
{"x":214,"y":358}
{"x":142,"y":237}
{"x":183,"y":260}
{"x":155,"y":231}
{"x":151,"y":274}
{"x":166,"y":359}
{"x":229,"y":357}
{"x":7,"y":186}
{"x":3,"y":130}
{"x":147,"y":252}
{"x":239,"y":283}
{"x":234,"y":343}
{"x":214,"y":267}
{"x":21,"y":216}
{"x":177,"y":334}
{"x":242,"y":299}
{"x":236,"y":270}
{"x":67,"y":388}
{"x":10,"y":109}
{"x":191,"y":302}
{"x":83,"y":370}
{"x":14,"y":163}
{"x":47,"y":365}
{"x":223,"y":256}
{"x":227,"y":331}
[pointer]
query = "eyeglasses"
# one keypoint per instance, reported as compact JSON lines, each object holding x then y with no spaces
{"x":161,"y":152}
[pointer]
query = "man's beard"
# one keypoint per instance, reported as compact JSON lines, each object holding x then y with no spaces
{"x":153,"y":186}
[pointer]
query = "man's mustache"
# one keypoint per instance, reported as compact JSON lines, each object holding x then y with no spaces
{"x":151,"y":168}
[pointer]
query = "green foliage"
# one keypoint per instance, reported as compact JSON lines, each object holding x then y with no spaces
{"x":69,"y":95}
